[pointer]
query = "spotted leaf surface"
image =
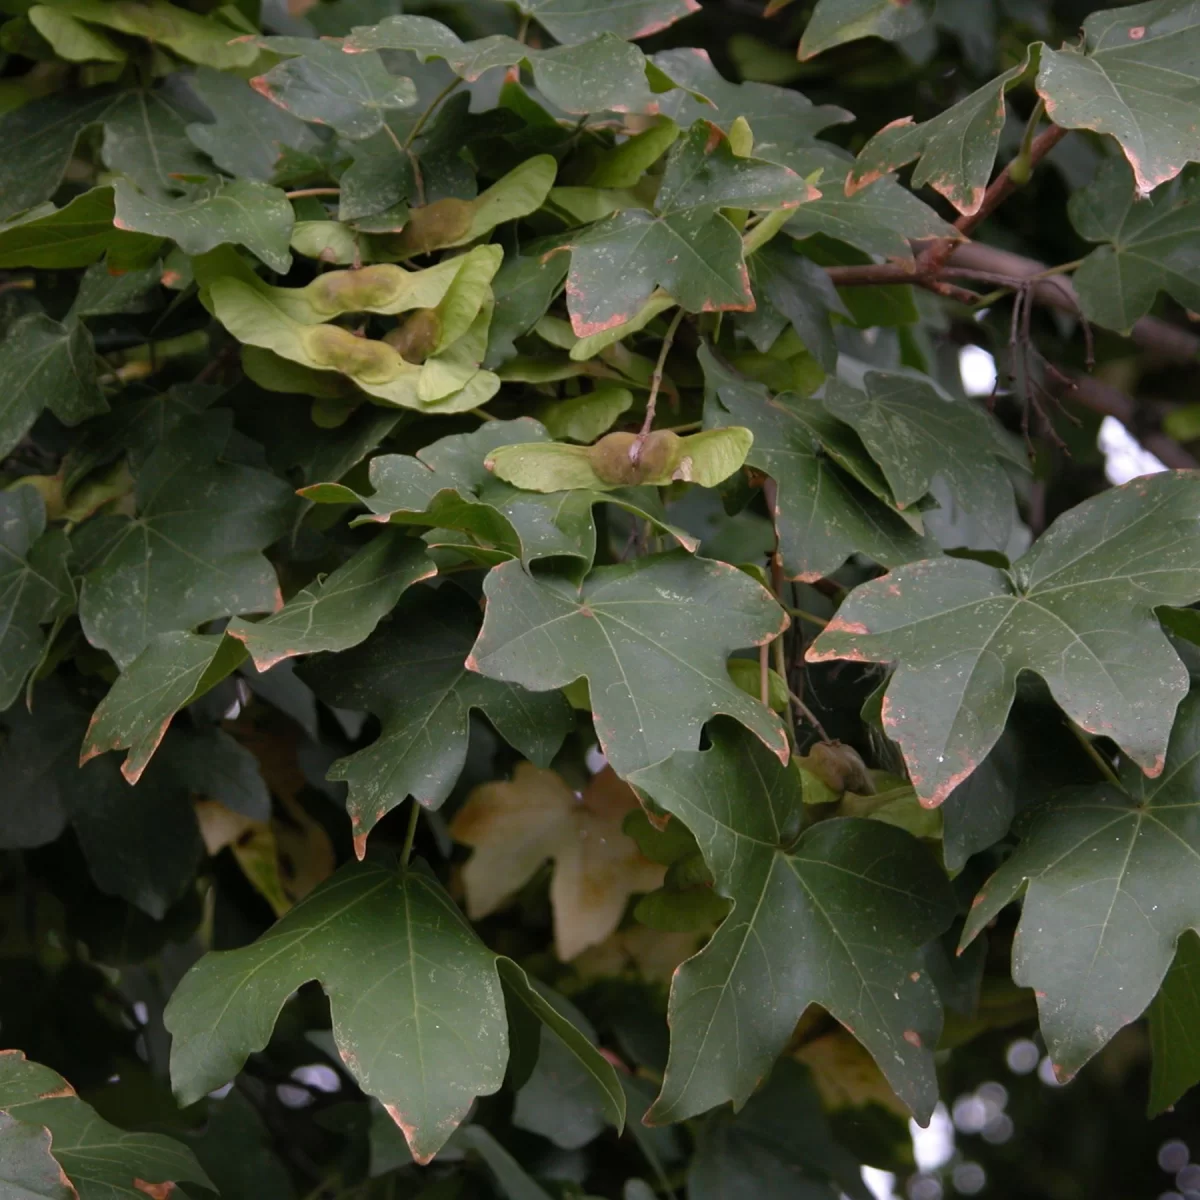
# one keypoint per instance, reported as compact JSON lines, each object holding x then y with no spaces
{"x":835,"y":916}
{"x":1108,"y":875}
{"x":418,"y":1007}
{"x":1135,"y":78}
{"x":686,"y":245}
{"x":651,"y":637}
{"x":1077,"y":609}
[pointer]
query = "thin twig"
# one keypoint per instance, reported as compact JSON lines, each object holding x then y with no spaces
{"x":415,"y":131}
{"x":1094,"y":754}
{"x":301,"y":193}
{"x":635,"y":450}
{"x":811,"y":618}
{"x":764,"y":675}
{"x":809,"y":715}
{"x":410,"y":833}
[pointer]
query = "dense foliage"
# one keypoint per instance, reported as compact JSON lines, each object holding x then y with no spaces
{"x":523,"y":672}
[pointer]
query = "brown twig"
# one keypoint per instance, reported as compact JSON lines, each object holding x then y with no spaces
{"x":635,"y":450}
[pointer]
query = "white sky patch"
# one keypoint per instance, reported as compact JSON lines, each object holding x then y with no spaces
{"x":1124,"y":458}
{"x":933,"y":1147}
{"x":978,"y":370}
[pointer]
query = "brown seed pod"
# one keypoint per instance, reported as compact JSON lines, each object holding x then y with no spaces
{"x":612,"y":457}
{"x":415,"y":338}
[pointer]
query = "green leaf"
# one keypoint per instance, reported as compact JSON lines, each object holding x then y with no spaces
{"x":38,"y":140}
{"x":72,"y":236}
{"x":101,"y":1161}
{"x":1077,"y":609}
{"x":193,"y":37}
{"x":447,"y":485}
{"x":248,"y":134}
{"x":914,"y":432}
{"x":836,"y":21}
{"x":193,"y":553}
{"x":956,"y":149}
{"x":447,"y":223}
{"x":400,"y":1022}
{"x":880,"y":219}
{"x":510,"y":1176}
{"x":1135,"y":78}
{"x":412,"y":674}
{"x":834,"y":916}
{"x":35,"y":586}
{"x":830,"y":493}
{"x":1146,"y":245}
{"x":524,"y":288}
{"x":650,"y":636}
{"x":780,"y":1146}
{"x":604,"y":73}
{"x":791,"y":290}
{"x":1175,"y":1065}
{"x":256,"y":320}
{"x":780,"y":118}
{"x":352,"y":93}
{"x":1108,"y":875}
{"x":238,"y":211}
{"x":706,"y":458}
{"x":145,"y":139}
{"x":341,"y":609}
{"x":570,"y":22}
{"x":585,"y":417}
{"x":687,"y":246}
{"x":173,"y":670}
{"x":46,"y":363}
{"x":624,"y":165}
{"x":71,"y":38}
{"x":28,"y":1171}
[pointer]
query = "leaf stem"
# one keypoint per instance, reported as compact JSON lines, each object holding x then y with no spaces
{"x":1089,"y":748}
{"x":809,"y":715}
{"x":301,"y":193}
{"x":635,"y":451}
{"x":804,"y":615}
{"x":1021,"y":167}
{"x":782,"y":671}
{"x":415,"y":131}
{"x":410,"y":834}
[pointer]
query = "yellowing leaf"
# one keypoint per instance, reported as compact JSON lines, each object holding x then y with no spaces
{"x":517,"y":825}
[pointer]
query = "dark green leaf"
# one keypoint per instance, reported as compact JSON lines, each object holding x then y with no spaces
{"x":956,"y":149}
{"x":778,"y":117}
{"x":35,"y":586}
{"x":101,"y":1161}
{"x":28,"y":1171}
{"x":830,"y":493}
{"x":343,"y":608}
{"x":687,"y":246}
{"x":835,"y":916}
{"x":239,"y":211}
{"x":193,"y":553}
{"x":603,"y":73}
{"x":352,"y":93}
{"x":570,"y":21}
{"x":73,"y":236}
{"x":836,"y":21}
{"x":650,"y":636}
{"x":914,"y":431}
{"x":779,"y":1147}
{"x":46,"y":363}
{"x":412,"y":675}
{"x":1108,"y":873}
{"x":447,"y":485}
{"x":170,"y":673}
{"x":248,"y":134}
{"x":1147,"y":246}
{"x":1077,"y":609}
{"x":1134,"y":78}
{"x":1174,"y":1014}
{"x":422,"y":1027}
